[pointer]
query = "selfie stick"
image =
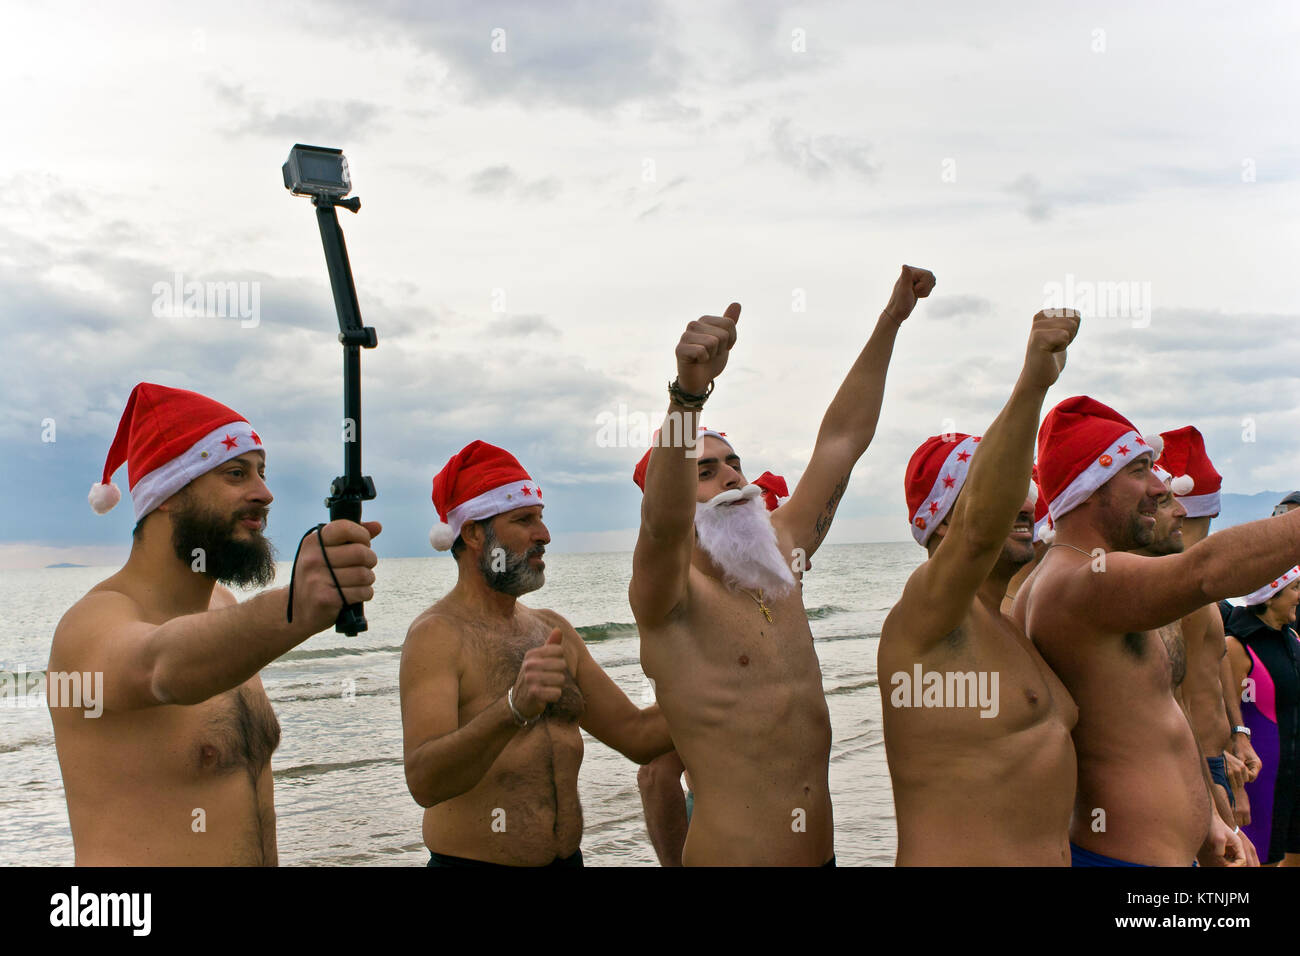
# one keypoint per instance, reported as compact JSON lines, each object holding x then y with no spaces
{"x":322,"y":173}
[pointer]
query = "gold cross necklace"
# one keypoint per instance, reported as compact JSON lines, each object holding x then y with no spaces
{"x":759,"y":601}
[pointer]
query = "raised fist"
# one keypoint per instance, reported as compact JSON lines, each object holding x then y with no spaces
{"x":1052,"y":332}
{"x":703,"y":349}
{"x":912,"y":284}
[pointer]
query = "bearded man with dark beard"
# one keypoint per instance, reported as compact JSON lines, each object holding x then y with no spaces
{"x":717,"y":595}
{"x":494,"y":693}
{"x":176,"y":767}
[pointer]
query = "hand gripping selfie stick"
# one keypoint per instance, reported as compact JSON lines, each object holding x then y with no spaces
{"x":322,"y":174}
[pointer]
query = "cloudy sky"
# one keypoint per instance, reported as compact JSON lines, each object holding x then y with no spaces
{"x":552,"y":191}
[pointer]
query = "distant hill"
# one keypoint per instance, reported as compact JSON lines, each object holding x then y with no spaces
{"x":66,"y":565}
{"x":1238,"y":509}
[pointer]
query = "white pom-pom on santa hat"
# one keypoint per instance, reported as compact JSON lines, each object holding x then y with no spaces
{"x":442,"y":537}
{"x":104,"y":497}
{"x":1047,"y":535}
{"x":1182,"y":485}
{"x":1156,"y":443}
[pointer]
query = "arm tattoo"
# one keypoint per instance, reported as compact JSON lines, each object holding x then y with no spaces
{"x":828,"y":513}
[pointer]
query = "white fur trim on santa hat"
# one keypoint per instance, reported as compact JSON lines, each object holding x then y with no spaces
{"x":1199,"y":506}
{"x":517,"y":494}
{"x":947,"y":485}
{"x":104,"y":498}
{"x":1270,"y":589}
{"x":1102,"y":469}
{"x":215,"y":448}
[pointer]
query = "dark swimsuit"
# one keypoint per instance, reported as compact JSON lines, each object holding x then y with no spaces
{"x":1219,"y":774}
{"x":1273,"y":717}
{"x":442,"y":859}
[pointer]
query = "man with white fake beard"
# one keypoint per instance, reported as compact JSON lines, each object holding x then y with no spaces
{"x":717,"y":595}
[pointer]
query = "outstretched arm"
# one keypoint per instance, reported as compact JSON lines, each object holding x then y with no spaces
{"x":192,"y":658}
{"x":662,"y":560}
{"x":939,"y":593}
{"x":1141,"y":594}
{"x":850,"y":422}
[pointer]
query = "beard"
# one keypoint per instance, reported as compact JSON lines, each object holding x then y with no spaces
{"x":1169,"y":544}
{"x":518,"y":576}
{"x":1016,"y":554}
{"x":226,"y":559}
{"x":742,"y":542}
{"x":1133,"y":532}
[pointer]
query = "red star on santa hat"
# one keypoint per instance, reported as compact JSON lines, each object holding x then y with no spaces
{"x":539,"y":492}
{"x":527,"y":491}
{"x":977,"y":438}
{"x":1122,"y":449}
{"x":230,"y":442}
{"x":949,"y":481}
{"x":963,"y":455}
{"x":257,"y":439}
{"x":934,"y":506}
{"x":1139,"y":441}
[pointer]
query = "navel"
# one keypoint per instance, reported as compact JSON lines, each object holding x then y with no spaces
{"x":743,"y":660}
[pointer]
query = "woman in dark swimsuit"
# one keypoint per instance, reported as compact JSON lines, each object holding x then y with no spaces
{"x":1263,"y":646}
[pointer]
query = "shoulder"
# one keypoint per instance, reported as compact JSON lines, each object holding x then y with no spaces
{"x":103,"y":606}
{"x":222,"y":596}
{"x":435,"y":627}
{"x":550,"y":618}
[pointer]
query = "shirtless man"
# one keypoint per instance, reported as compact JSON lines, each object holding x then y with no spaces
{"x":177,"y":769}
{"x":493,"y":692}
{"x":717,"y":599}
{"x":983,"y":780}
{"x":1093,"y":611}
{"x":1197,"y":485}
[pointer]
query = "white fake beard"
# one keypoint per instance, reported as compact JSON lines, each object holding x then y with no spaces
{"x":742,"y":542}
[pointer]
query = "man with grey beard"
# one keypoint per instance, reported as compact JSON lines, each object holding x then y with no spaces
{"x":494,"y":693}
{"x":717,"y":596}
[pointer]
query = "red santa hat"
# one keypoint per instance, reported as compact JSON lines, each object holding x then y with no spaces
{"x":1082,"y":444}
{"x":1268,"y":590}
{"x":934,"y":478}
{"x":638,"y":473}
{"x":774,"y":488}
{"x":1196,"y":483}
{"x":479,"y":481}
{"x":167,"y":437}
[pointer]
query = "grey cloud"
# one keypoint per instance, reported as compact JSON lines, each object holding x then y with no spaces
{"x":520,"y":326}
{"x":1030,"y":190}
{"x":949,"y":306}
{"x":818,"y":157}
{"x":579,"y":53}
{"x":315,"y":121}
{"x":501,"y":179}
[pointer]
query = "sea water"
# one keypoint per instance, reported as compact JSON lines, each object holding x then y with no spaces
{"x":340,"y":789}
